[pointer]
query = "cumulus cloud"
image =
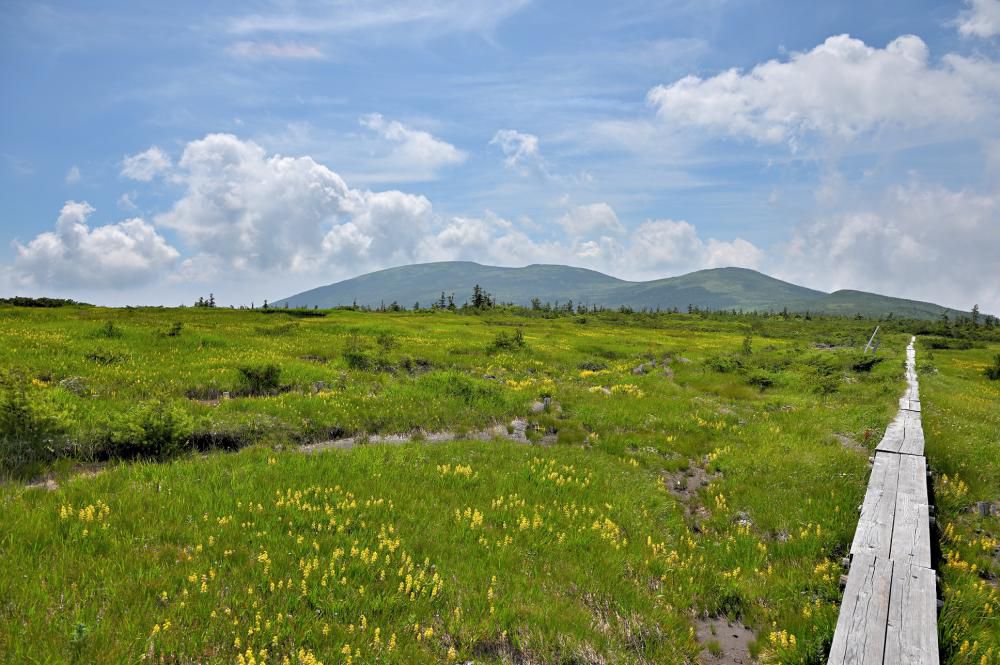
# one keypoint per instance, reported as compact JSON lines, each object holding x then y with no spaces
{"x":667,"y":245}
{"x":919,"y":242}
{"x":414,"y":154}
{"x":267,"y":212}
{"x":520,"y":149}
{"x":288,"y":51}
{"x":588,"y":220}
{"x":146,"y":165}
{"x":73,"y":175}
{"x":981,"y":19}
{"x":841,"y":88}
{"x":118,"y":255}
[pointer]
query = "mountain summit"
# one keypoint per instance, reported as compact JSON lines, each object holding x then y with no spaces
{"x":717,"y":288}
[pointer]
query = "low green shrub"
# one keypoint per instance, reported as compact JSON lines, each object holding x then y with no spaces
{"x":866,"y":363}
{"x":993,"y":372}
{"x":505,"y":342}
{"x":109,"y":331}
{"x":259,"y":381}
{"x":31,"y":428}
{"x":723,"y":364}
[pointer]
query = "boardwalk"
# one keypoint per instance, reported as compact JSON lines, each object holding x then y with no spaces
{"x":889,"y":611}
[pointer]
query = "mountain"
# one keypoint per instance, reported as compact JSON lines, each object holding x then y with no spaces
{"x":718,"y":288}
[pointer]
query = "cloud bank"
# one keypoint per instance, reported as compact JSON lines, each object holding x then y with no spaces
{"x":841,"y":88}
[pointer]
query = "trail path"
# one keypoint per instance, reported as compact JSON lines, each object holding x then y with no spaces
{"x":889,"y":612}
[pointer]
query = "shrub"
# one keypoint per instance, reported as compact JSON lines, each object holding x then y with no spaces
{"x":723,"y":364}
{"x":505,"y":342}
{"x":104,"y":357}
{"x":948,"y":343}
{"x":760,"y":378}
{"x":109,"y":330}
{"x":592,"y":365}
{"x":386,"y":341}
{"x":30,"y":428}
{"x":155,"y":429}
{"x":866,"y":363}
{"x":166,"y":429}
{"x":356,"y":353}
{"x":993,"y":373}
{"x":260,"y":381}
{"x":174,"y":330}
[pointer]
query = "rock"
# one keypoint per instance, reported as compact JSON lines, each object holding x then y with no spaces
{"x":75,"y":385}
{"x":537,"y":407}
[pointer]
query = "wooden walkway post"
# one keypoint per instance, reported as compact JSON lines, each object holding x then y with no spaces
{"x":889,"y":612}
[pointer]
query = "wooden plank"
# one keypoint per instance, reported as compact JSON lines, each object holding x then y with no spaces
{"x":911,"y":631}
{"x":874,"y":533}
{"x":911,"y":536}
{"x":860,"y":635}
{"x":913,"y":434}
{"x":892,"y":440}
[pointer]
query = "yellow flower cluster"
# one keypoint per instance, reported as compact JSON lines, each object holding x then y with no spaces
{"x":782,"y":639}
{"x":548,"y":470}
{"x":457,"y":470}
{"x":629,"y":389}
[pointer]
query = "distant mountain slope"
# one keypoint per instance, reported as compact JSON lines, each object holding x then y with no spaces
{"x":719,"y":288}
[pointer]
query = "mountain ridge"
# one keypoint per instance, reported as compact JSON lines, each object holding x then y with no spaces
{"x":712,"y":288}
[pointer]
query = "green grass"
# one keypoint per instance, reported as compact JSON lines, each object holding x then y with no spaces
{"x":961,"y":416}
{"x":595,"y":558}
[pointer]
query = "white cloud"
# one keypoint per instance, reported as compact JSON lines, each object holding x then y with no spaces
{"x":840,"y":88}
{"x":280,"y":51}
{"x":664,"y":245}
{"x":520,"y":149}
{"x":73,"y":175}
{"x":588,"y":220}
{"x":414,"y":155}
{"x":118,"y":255}
{"x":268,"y":212}
{"x":126,"y":202}
{"x":920,"y":242}
{"x":145,"y":166}
{"x":522,"y":154}
{"x":416,"y":17}
{"x":981,"y":19}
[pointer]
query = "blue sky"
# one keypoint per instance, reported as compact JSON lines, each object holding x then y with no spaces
{"x":153,"y":153}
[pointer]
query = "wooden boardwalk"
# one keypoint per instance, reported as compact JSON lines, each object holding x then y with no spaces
{"x":889,"y":611}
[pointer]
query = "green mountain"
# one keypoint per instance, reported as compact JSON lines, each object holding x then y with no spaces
{"x":719,"y":288}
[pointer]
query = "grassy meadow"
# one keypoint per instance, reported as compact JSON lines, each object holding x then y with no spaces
{"x":961,"y":418}
{"x":676,"y":468}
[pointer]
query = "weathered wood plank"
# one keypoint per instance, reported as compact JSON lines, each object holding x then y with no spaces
{"x":874,"y":533}
{"x":913,"y":434}
{"x":911,"y":632}
{"x":911,"y":536}
{"x":892,"y":440}
{"x":860,"y":635}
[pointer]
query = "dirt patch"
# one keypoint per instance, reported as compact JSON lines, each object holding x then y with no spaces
{"x":314,"y":359}
{"x":685,"y":484}
{"x":50,"y":483}
{"x":726,"y":642}
{"x":515,"y":431}
{"x":848,"y":442}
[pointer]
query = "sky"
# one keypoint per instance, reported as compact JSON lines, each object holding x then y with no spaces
{"x":152,"y":153}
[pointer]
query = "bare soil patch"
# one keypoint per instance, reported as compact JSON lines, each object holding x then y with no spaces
{"x":726,"y":642}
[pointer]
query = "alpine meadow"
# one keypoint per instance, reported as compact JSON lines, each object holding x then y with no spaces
{"x":496,"y":485}
{"x":500,"y":332}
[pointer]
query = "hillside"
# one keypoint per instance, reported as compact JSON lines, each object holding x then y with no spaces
{"x":718,"y":288}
